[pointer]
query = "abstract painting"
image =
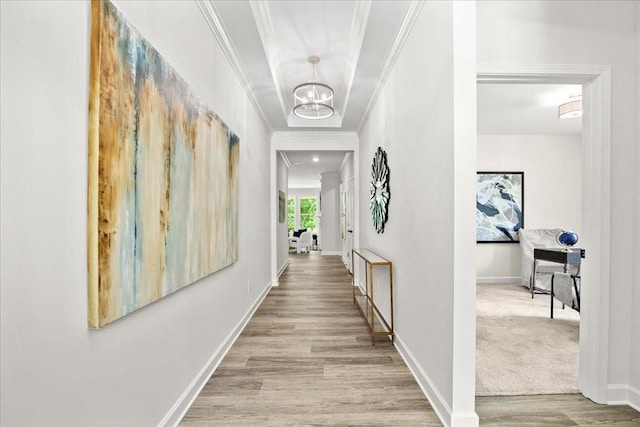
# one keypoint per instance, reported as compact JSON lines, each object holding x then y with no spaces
{"x":163,"y":176}
{"x":499,"y":206}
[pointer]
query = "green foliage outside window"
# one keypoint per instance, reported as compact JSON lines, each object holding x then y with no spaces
{"x":308,"y":208}
{"x":291,"y":214}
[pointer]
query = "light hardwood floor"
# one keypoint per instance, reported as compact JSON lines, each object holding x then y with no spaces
{"x":306,"y":358}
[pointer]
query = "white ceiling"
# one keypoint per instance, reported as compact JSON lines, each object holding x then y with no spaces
{"x":273,"y":39}
{"x":525,"y":109}
{"x":305,"y":173}
{"x":268,"y":43}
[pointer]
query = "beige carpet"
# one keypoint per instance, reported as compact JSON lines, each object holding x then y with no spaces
{"x":520,"y":350}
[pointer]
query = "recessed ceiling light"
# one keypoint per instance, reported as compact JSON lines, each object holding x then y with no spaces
{"x":315,"y":159}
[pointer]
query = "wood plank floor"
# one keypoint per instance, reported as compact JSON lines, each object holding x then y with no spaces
{"x":305,"y":358}
{"x":552,"y":410}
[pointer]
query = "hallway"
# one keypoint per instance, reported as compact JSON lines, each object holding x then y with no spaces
{"x":306,"y":358}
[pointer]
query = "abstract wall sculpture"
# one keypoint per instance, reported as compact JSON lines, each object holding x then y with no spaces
{"x":163,"y":176}
{"x":499,"y":206}
{"x":380,"y":192}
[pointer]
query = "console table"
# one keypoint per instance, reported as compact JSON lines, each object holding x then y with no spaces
{"x":376,"y":322}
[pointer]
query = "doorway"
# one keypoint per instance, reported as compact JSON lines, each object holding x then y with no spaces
{"x":308,"y":143}
{"x":521,"y":136}
{"x":595,"y":155}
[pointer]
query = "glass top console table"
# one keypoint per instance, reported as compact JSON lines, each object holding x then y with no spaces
{"x":378,"y":324}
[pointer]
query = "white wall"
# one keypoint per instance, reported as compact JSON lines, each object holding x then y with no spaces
{"x":54,"y":371}
{"x":282,"y":180}
{"x":346,"y":179}
{"x":634,"y":359}
{"x":330,"y":224}
{"x":430,"y":149}
{"x":591,"y":33}
{"x":552,"y":199}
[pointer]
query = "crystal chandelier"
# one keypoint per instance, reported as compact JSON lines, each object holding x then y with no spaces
{"x":313,"y":100}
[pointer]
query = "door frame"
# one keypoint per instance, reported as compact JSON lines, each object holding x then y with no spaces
{"x":316,"y":141}
{"x":596,"y":205}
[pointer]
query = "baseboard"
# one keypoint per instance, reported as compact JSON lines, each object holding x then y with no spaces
{"x":184,"y":402}
{"x":623,"y":394}
{"x":332,"y":253}
{"x":465,"y":419}
{"x":282,"y":269}
{"x":439,"y":405}
{"x":634,"y":398}
{"x":515,"y":279}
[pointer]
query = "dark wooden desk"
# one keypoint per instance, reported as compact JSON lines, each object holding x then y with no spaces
{"x":561,"y":256}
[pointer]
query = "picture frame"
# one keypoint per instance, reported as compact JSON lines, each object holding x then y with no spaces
{"x":499,"y":206}
{"x":282,"y":206}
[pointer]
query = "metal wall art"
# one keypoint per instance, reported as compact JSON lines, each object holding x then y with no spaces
{"x":380,"y":192}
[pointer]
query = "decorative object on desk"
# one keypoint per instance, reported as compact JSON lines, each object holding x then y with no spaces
{"x":567,"y":239}
{"x":162,"y":176}
{"x":380,"y":192}
{"x":282,"y":203}
{"x":499,"y":206}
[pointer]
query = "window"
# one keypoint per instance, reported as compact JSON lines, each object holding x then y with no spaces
{"x":291,"y":214}
{"x":308,"y":207}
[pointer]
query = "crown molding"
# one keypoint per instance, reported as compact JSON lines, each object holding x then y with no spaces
{"x":264,"y":24}
{"x":285,"y":159}
{"x":314,"y":140}
{"x":212,"y":18}
{"x":358,"y":30}
{"x":405,"y":29}
{"x":315,"y":135}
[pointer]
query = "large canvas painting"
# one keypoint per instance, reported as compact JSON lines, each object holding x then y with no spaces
{"x":163,"y":175}
{"x":499,"y":206}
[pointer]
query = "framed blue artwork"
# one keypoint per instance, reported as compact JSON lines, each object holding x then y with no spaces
{"x":499,"y":206}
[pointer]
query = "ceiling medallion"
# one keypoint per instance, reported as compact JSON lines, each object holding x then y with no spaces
{"x":313,"y":100}
{"x":380,"y":192}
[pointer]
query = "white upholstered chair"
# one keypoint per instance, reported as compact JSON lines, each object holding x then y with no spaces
{"x":302,"y":242}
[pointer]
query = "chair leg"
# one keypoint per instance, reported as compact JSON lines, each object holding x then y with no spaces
{"x":575,"y":287}
{"x":551,"y":294}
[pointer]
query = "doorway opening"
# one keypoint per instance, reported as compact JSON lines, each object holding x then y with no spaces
{"x":595,"y":169}
{"x":313,"y":187}
{"x":529,"y":177}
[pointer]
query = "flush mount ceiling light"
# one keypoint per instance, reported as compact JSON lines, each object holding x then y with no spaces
{"x":572,"y":108}
{"x":313,"y":100}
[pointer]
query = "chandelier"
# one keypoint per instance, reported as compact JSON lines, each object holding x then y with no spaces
{"x":313,"y":100}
